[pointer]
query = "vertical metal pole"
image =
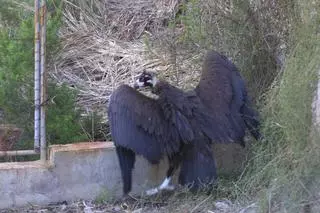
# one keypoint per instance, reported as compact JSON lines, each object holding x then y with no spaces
{"x":37,"y":77}
{"x":43,"y":142}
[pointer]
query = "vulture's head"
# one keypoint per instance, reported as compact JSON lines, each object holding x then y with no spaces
{"x":145,"y":79}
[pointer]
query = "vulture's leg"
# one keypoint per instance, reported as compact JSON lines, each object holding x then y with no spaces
{"x":126,"y":159}
{"x":174,"y":162}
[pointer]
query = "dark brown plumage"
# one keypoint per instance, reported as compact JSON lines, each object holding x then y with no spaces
{"x":181,"y":125}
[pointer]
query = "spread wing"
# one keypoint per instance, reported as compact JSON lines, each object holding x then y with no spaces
{"x":222,"y":91}
{"x":138,"y":123}
{"x":215,"y":88}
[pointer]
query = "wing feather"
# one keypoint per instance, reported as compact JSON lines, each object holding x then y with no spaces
{"x":222,"y":91}
{"x":214,"y":87}
{"x":138,"y":123}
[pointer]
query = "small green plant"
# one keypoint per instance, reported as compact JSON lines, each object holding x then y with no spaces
{"x":103,"y":197}
{"x":195,"y":27}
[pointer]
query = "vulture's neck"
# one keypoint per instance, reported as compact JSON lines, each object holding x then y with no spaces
{"x":171,"y":98}
{"x":165,"y":90}
{"x":160,"y":87}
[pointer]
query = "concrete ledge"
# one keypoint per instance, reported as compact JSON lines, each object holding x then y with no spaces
{"x":74,"y":171}
{"x":21,"y":165}
{"x":85,"y":170}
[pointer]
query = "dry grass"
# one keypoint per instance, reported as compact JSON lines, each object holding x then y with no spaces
{"x":179,"y":202}
{"x":107,"y":43}
{"x":103,"y":44}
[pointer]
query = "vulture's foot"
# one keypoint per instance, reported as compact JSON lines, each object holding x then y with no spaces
{"x":152,"y":191}
{"x":156,"y":190}
{"x":164,"y":186}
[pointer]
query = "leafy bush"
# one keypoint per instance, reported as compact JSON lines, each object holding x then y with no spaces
{"x":16,"y":88}
{"x":286,"y":169}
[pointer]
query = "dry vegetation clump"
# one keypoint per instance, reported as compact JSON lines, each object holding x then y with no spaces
{"x":255,"y":34}
{"x":103,"y":44}
{"x":107,"y":43}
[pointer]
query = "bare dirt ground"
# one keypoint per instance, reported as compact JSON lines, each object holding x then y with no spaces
{"x":165,"y":203}
{"x":151,"y":207}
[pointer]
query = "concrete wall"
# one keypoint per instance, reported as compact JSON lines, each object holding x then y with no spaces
{"x":84,"y":171}
{"x":74,"y":171}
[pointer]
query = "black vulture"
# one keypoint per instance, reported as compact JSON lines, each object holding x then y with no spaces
{"x":181,"y":125}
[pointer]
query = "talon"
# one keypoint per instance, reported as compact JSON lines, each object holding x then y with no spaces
{"x":152,"y":191}
{"x":169,"y":187}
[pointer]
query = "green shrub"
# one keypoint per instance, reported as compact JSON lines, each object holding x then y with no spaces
{"x":16,"y":88}
{"x":285,"y":170}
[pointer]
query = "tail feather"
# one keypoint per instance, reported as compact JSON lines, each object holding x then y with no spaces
{"x":241,"y":103}
{"x":198,"y":169}
{"x":251,"y":120}
{"x":126,"y":160}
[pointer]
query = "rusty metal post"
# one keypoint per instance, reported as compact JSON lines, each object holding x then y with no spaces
{"x":43,"y":142}
{"x":37,"y":77}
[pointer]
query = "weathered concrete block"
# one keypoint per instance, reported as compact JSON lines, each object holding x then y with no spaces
{"x":85,"y":170}
{"x":74,"y":171}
